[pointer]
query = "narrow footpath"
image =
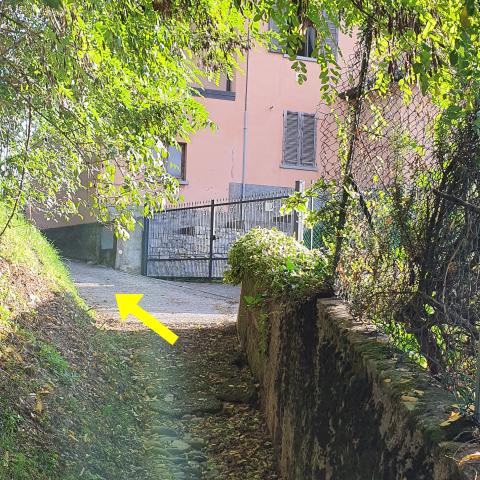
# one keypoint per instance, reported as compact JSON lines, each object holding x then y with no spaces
{"x":199,"y":400}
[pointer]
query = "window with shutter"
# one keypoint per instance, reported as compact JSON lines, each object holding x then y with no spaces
{"x":291,"y":135}
{"x":299,"y":140}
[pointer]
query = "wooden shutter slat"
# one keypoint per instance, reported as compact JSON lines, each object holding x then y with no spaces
{"x":308,"y":140}
{"x":291,"y":148}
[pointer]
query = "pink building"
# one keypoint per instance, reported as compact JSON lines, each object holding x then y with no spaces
{"x":266,"y":139}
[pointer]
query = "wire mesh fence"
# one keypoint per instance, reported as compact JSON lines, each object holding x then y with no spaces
{"x":397,"y":205}
{"x":402,"y":187}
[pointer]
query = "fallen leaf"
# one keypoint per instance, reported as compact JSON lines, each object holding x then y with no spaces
{"x":46,"y":390}
{"x":471,"y":457}
{"x":407,"y":398}
{"x":420,"y":393}
{"x":38,"y":405}
{"x":454,"y":416}
{"x":72,"y":436}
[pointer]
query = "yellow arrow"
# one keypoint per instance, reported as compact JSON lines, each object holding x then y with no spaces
{"x":128,"y":305}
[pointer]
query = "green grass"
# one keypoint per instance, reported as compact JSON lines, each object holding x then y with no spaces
{"x":30,"y":261}
{"x":21,"y":461}
{"x":54,"y":360}
{"x":23,"y":245}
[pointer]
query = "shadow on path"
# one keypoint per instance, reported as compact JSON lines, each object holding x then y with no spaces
{"x":198,"y":401}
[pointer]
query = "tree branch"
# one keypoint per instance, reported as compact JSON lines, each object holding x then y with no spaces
{"x":22,"y":178}
{"x":459,"y":201}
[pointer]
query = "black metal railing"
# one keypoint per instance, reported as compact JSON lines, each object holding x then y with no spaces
{"x":193,"y":240}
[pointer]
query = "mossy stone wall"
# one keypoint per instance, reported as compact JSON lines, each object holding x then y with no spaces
{"x":342,"y":405}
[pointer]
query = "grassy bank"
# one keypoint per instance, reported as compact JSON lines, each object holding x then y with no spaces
{"x":63,"y":382}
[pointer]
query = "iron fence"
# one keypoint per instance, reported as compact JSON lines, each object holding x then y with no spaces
{"x":193,"y":240}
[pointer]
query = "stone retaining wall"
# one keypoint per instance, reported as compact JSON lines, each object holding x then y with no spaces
{"x":341,"y":405}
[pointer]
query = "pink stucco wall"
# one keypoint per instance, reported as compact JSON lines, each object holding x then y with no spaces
{"x":214,"y":159}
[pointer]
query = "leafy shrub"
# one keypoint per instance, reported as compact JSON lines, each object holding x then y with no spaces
{"x":280,"y":265}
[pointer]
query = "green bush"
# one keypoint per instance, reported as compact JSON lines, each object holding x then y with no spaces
{"x":280,"y":265}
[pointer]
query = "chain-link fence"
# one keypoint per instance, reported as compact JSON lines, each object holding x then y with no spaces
{"x":401,"y":186}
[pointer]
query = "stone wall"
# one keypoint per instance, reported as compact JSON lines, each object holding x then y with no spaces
{"x":342,"y":405}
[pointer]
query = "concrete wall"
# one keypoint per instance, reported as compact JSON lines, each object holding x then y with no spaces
{"x":340,"y":404}
{"x":129,"y":252}
{"x":89,"y":242}
{"x":93,"y":242}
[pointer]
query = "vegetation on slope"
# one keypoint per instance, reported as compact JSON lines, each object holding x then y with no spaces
{"x":58,"y":373}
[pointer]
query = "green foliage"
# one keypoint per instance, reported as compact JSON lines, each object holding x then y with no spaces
{"x":41,"y":258}
{"x":31,"y":270}
{"x":323,"y":219}
{"x":431,"y":45}
{"x":282,"y":267}
{"x":93,"y":92}
{"x":52,"y":399}
{"x":254,"y":301}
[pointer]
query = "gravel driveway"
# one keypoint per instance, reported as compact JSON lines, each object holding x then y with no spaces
{"x":173,"y":303}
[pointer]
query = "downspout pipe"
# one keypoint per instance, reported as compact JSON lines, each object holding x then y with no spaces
{"x":245,"y":119}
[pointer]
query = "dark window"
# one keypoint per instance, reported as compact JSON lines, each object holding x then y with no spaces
{"x":276,"y":47}
{"x":307,"y":48}
{"x":175,"y":161}
{"x":224,"y":90}
{"x":299,"y":140}
{"x":308,"y":45}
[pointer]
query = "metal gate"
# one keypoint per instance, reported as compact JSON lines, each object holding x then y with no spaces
{"x":193,"y":240}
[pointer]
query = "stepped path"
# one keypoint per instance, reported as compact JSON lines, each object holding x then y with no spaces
{"x":200,"y":418}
